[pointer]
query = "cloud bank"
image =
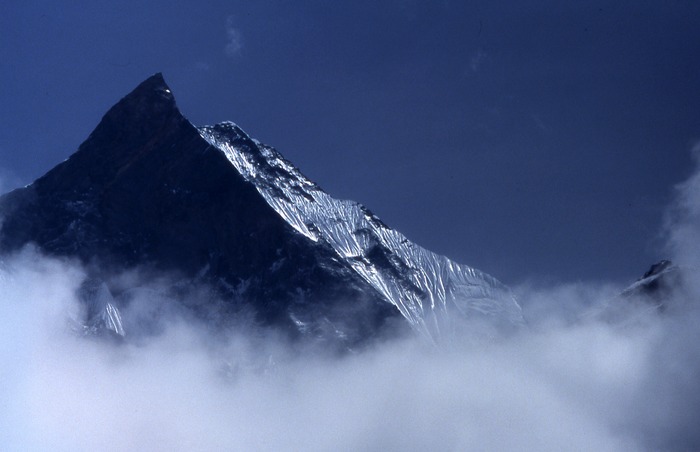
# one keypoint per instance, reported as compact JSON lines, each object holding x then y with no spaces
{"x":558,"y":386}
{"x":568,"y":382}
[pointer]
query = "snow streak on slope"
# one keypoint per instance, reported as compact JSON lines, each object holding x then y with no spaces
{"x":428,"y":289}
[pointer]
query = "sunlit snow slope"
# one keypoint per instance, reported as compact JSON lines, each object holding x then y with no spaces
{"x":432,"y":292}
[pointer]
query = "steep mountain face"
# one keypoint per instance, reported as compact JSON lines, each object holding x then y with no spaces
{"x":148,"y":189}
{"x":657,"y":284}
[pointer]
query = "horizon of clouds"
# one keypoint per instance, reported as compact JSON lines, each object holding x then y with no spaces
{"x":607,"y":387}
{"x":569,"y":382}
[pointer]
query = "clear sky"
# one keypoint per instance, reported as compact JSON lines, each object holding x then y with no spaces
{"x":534,"y":139}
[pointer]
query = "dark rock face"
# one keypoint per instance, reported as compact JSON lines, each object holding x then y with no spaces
{"x":657,"y":285}
{"x":662,"y":289}
{"x":657,"y":268}
{"x":145,"y":189}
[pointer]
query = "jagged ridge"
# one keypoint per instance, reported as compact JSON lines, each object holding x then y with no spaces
{"x":429,"y":290}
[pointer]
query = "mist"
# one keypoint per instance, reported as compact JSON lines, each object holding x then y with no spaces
{"x":569,"y":381}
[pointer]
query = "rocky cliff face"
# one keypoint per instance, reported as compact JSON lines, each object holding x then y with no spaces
{"x":147,"y":189}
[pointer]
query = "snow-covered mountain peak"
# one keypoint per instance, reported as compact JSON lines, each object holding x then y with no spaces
{"x":432,"y":292}
{"x":217,"y":207}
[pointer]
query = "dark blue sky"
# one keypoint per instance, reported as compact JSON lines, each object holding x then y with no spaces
{"x":528,"y":139}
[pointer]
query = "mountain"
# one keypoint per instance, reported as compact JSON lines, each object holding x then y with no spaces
{"x":657,"y":284}
{"x":148,"y":190}
{"x":665,"y":289}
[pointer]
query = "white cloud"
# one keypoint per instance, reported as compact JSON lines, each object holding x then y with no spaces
{"x":563,"y":384}
{"x":682,"y":223}
{"x":559,"y":386}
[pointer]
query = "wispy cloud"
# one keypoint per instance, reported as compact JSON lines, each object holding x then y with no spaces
{"x":682,"y":222}
{"x":537,"y":119}
{"x":477,"y":60}
{"x":202,"y":66}
{"x":234,"y":39}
